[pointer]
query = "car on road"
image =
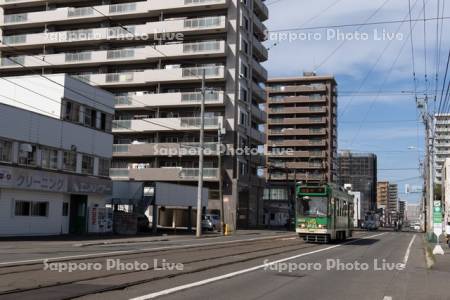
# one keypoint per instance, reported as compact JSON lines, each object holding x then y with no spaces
{"x":211,"y":222}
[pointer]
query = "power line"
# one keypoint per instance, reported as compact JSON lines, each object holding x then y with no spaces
{"x":394,"y":63}
{"x":355,"y":24}
{"x":345,"y":40}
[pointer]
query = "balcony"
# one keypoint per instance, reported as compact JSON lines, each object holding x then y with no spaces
{"x":297,"y":88}
{"x":259,"y":28}
{"x":261,"y":9}
{"x":143,"y":78}
{"x":299,"y":154}
{"x":297,"y":121}
{"x":133,"y":101}
{"x":165,"y":124}
{"x":259,"y":50}
{"x":298,"y":143}
{"x":258,"y":93}
{"x":65,"y":15}
{"x":305,"y":165}
{"x":298,"y":110}
{"x":300,"y":132}
{"x":259,"y":71}
{"x":164,"y":149}
{"x":148,"y":31}
{"x":297,"y":99}
{"x":118,"y":56}
{"x":164,"y":174}
{"x":258,"y":136}
{"x":299,"y":177}
{"x":259,"y":115}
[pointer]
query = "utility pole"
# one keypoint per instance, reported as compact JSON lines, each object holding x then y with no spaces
{"x":219,"y":144}
{"x":198,"y":229}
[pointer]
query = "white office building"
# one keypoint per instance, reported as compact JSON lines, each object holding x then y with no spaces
{"x":55,"y":152}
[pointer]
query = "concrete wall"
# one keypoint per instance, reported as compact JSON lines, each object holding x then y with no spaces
{"x":39,"y":129}
{"x":53,"y":224}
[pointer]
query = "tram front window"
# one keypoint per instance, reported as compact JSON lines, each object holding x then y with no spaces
{"x":312,"y":206}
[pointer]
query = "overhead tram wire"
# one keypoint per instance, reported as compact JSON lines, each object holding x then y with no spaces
{"x":383,"y":83}
{"x":90,"y":98}
{"x":439,"y":48}
{"x":94,"y":100}
{"x":442,"y":99}
{"x":411,"y":37}
{"x":312,"y":18}
{"x":377,"y":61}
{"x":425,"y":48}
{"x":344,"y":41}
{"x":333,"y":26}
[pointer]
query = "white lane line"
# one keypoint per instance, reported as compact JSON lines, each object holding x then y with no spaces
{"x":387,"y":298}
{"x":123,"y":252}
{"x":240,"y":272}
{"x":408,"y":251}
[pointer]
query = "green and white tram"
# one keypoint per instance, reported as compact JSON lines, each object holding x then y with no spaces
{"x":323,"y":213}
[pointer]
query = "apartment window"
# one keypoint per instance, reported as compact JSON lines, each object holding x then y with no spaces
{"x":244,"y":70}
{"x":246,"y":23}
{"x":242,"y":168}
{"x":49,"y":158}
{"x":87,"y":165}
{"x":71,"y":111}
{"x":5,"y":151}
{"x":90,"y":117}
{"x":244,"y":94}
{"x":65,"y":209}
{"x":33,"y":209}
{"x":27,"y":154}
{"x":70,"y":161}
{"x":243,"y":118}
{"x":245,"y":46}
{"x":103,"y":167}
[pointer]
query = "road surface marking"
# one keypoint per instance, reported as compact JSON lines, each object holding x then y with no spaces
{"x":240,"y":272}
{"x":408,"y":251}
{"x":123,"y":252}
{"x":287,"y":239}
{"x":387,"y":298}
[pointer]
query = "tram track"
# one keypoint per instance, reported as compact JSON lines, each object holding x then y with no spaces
{"x":212,"y":262}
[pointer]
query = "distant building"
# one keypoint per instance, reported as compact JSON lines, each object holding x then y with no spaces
{"x":360,"y":170}
{"x":412,"y":213}
{"x":358,"y":214}
{"x":446,"y":193}
{"x":55,"y":153}
{"x":393,"y":207}
{"x":387,"y":201}
{"x":441,"y":143}
{"x":401,"y":210}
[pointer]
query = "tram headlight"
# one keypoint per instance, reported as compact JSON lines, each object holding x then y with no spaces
{"x":303,"y":225}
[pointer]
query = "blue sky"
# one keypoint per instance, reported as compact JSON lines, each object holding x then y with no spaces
{"x":372,"y":71}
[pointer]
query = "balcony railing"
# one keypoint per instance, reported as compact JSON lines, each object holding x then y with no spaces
{"x":119,"y":77}
{"x":201,"y":47}
{"x":120,"y":53}
{"x":15,"y":39}
{"x":80,"y":12}
{"x":202,"y":22}
{"x":195,"y":122}
{"x":78,"y":56}
{"x":15,"y":18}
{"x":197,"y":97}
{"x":122,"y":8}
{"x":194,"y":172}
{"x":13,"y":61}
{"x":198,"y":71}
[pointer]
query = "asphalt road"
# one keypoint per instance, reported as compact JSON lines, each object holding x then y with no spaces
{"x":383,"y":265}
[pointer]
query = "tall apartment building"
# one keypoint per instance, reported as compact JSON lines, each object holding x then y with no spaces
{"x":152,"y":55}
{"x":441,"y":143}
{"x":55,"y":153}
{"x":360,"y":170}
{"x":301,"y":134}
{"x":301,"y":127}
{"x":382,"y":194}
